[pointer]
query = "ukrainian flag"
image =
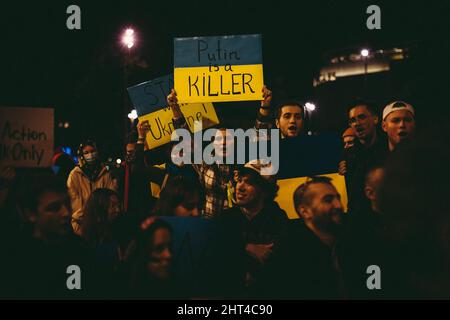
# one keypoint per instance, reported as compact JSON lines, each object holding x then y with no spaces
{"x":308,"y":156}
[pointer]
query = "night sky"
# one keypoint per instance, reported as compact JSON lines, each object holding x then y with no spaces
{"x":80,"y":73}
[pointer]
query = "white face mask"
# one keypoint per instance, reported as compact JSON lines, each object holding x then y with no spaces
{"x":90,"y":157}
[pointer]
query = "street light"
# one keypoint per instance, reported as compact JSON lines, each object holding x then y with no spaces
{"x":364,"y":52}
{"x":128,"y":40}
{"x":310,"y":107}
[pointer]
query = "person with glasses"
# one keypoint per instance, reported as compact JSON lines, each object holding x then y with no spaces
{"x":370,"y":148}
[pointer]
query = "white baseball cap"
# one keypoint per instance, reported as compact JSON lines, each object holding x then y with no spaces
{"x":263,"y":167}
{"x":397,"y":105}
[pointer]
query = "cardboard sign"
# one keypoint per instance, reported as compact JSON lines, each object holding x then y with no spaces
{"x":26,"y":137}
{"x":161,"y":126}
{"x":218,"y":69}
{"x":150,"y":96}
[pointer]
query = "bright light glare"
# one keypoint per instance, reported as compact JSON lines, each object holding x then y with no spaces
{"x":128,"y":38}
{"x":364,"y":52}
{"x":133,"y":114}
{"x":310,"y":106}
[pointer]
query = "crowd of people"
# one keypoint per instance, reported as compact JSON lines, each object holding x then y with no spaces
{"x":113,"y":226}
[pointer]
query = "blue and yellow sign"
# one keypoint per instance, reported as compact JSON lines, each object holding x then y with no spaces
{"x":149,"y":100}
{"x":218,"y":69}
{"x":150,"y":96}
{"x":161,"y":125}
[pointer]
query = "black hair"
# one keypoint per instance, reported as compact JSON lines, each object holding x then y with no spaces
{"x":34,"y":186}
{"x":267,"y":186}
{"x":363,"y":102}
{"x":177,"y":189}
{"x":139,"y":249}
{"x":95,"y":221}
{"x":85,"y":143}
{"x":278,"y":110}
{"x":301,"y":191}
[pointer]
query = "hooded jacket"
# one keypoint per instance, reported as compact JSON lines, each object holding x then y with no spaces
{"x":80,"y":189}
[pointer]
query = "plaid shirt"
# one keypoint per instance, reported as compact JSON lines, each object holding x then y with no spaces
{"x":216,"y":180}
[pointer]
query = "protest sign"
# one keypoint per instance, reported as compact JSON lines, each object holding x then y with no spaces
{"x":149,"y":100}
{"x":150,"y":96}
{"x":218,"y":69}
{"x":26,"y":137}
{"x":161,"y":126}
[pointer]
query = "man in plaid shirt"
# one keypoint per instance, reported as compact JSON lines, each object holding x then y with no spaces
{"x":216,"y":179}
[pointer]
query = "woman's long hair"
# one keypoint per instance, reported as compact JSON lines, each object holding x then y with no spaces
{"x":96,"y":226}
{"x":137,"y":257}
{"x":175,"y":192}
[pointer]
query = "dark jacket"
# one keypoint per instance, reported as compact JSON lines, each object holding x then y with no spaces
{"x":310,"y":267}
{"x":359,"y":160}
{"x":268,"y":226}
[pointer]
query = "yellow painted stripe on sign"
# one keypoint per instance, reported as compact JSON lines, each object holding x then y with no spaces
{"x":161,"y":126}
{"x":228,"y":83}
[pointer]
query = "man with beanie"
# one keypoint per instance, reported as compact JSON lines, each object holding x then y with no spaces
{"x":259,"y":223}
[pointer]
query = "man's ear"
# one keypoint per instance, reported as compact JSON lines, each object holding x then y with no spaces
{"x":383,"y":126}
{"x":277,"y":123}
{"x":376,"y":119}
{"x":304,"y":212}
{"x":370,"y":193}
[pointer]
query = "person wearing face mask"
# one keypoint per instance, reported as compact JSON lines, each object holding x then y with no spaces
{"x":88,"y":176}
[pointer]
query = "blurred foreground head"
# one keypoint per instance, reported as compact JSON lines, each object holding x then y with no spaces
{"x":416,"y":201}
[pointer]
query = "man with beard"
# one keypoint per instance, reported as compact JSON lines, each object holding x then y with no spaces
{"x":88,"y":176}
{"x":398,"y":123}
{"x":369,"y":149}
{"x":312,"y":241}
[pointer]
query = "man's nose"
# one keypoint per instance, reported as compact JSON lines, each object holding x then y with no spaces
{"x":337,"y":203}
{"x":167,"y":254}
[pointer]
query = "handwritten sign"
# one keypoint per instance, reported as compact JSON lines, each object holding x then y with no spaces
{"x":161,"y":125}
{"x":218,"y":69}
{"x":150,"y":96}
{"x":26,"y":137}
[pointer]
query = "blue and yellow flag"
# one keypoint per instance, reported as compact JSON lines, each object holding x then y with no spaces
{"x":308,"y":156}
{"x":218,"y":69}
